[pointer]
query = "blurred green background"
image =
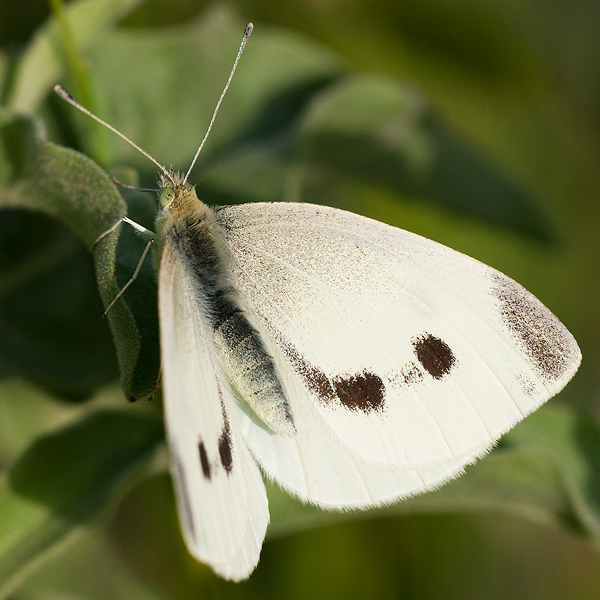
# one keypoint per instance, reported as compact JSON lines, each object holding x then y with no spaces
{"x":507,"y":92}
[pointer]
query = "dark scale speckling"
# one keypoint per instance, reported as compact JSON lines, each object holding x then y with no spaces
{"x":226,"y":445}
{"x":406,"y":376}
{"x":435,"y":356}
{"x":544,"y":338}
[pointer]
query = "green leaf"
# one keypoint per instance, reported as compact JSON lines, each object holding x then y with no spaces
{"x":42,"y":65}
{"x":47,"y":291}
{"x":27,"y":412}
{"x":571,"y":441}
{"x":384,"y":134}
{"x":66,"y":480}
{"x":277,"y":74}
{"x":40,"y":176}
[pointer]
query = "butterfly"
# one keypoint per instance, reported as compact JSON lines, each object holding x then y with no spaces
{"x":354,"y":362}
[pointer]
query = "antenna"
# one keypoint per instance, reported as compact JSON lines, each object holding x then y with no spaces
{"x":247,"y":33}
{"x":64,"y":94}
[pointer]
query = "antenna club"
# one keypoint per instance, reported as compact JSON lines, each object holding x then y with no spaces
{"x":248,"y":30}
{"x":62,"y":92}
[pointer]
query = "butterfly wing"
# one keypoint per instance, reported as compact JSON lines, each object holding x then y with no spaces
{"x":317,"y":468}
{"x":400,"y":355}
{"x":219,"y":490}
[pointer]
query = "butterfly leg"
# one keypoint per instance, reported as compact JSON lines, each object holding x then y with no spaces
{"x":143,"y":230}
{"x":133,"y":277}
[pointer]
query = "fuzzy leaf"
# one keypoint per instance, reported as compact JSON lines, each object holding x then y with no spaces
{"x":65,"y":480}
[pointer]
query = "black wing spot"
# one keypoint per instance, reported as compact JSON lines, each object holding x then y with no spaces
{"x":434,"y":354}
{"x":226,"y":446}
{"x":204,"y":462}
{"x":364,"y":392}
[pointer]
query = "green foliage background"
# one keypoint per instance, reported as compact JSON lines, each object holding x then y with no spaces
{"x":473,"y":123}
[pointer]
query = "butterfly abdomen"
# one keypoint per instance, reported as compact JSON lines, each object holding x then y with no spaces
{"x":245,"y":360}
{"x":248,"y":365}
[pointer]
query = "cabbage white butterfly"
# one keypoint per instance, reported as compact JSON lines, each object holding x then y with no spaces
{"x":355,"y":362}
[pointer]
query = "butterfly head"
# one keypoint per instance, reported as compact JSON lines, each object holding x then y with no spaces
{"x":175,"y":194}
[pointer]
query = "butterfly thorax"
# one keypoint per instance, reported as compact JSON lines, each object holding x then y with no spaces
{"x":188,"y":229}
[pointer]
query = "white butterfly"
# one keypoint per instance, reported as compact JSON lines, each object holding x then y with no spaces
{"x":355,"y":362}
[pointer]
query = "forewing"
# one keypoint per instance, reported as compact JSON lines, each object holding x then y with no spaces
{"x":413,"y":355}
{"x":219,"y":490}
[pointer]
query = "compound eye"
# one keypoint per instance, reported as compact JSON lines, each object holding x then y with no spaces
{"x":166,"y":196}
